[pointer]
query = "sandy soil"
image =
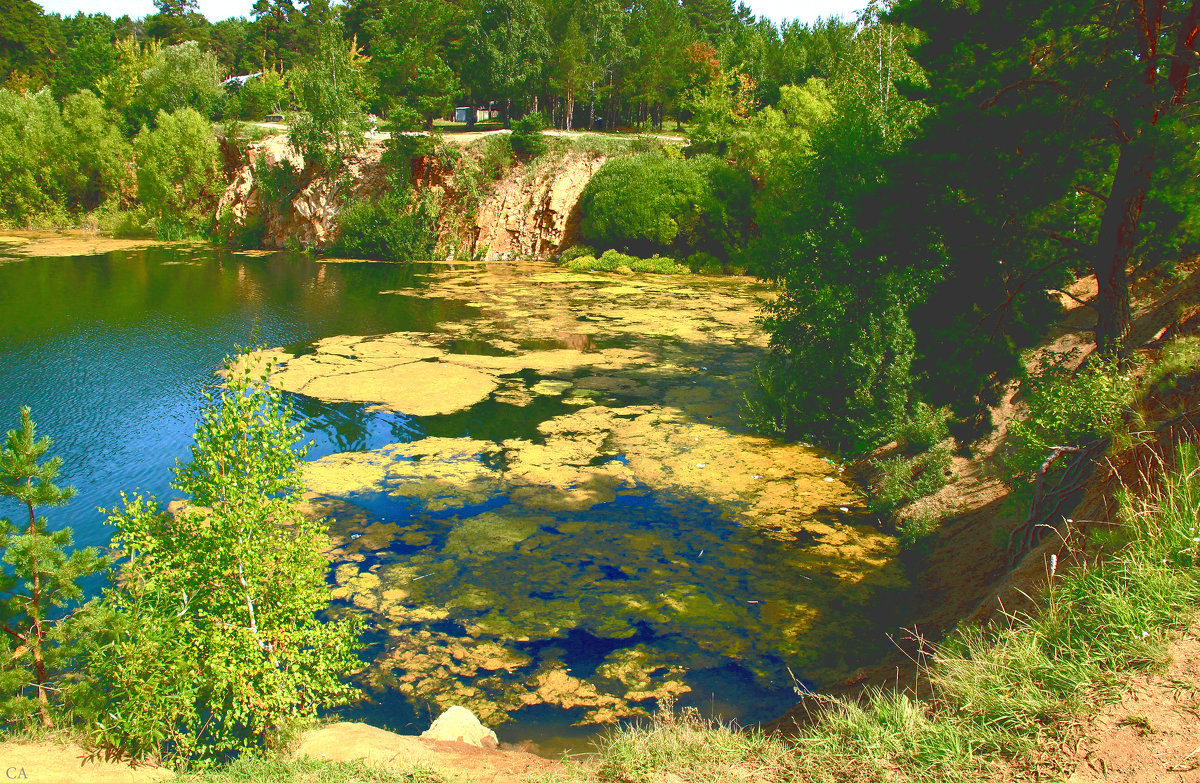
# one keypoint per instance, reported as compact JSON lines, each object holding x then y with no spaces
{"x":1152,"y":735}
{"x":75,"y":242}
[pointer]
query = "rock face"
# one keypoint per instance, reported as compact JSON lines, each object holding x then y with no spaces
{"x":534,"y":216}
{"x":308,"y":216}
{"x":458,"y":724}
{"x":531,"y":211}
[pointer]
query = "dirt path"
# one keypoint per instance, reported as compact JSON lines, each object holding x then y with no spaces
{"x":1152,"y":735}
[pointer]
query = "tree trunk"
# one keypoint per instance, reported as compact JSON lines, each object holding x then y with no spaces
{"x":508,"y":112}
{"x":1116,"y":240}
{"x":38,"y":638}
{"x":569,"y":112}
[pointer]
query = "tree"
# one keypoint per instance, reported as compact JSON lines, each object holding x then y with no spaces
{"x":177,"y":21}
{"x":216,"y":642}
{"x":43,"y":581}
{"x":178,"y":169}
{"x":179,"y":76}
{"x":23,"y":46}
{"x":850,"y":274}
{"x":512,"y":50}
{"x":331,"y":89}
{"x":1081,"y":109}
{"x":410,"y":60}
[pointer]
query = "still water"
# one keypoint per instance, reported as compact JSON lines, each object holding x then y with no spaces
{"x":596,"y":533}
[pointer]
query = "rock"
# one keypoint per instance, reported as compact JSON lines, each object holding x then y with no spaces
{"x":458,"y":724}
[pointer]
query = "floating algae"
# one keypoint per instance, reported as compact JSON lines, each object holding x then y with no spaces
{"x":632,"y":543}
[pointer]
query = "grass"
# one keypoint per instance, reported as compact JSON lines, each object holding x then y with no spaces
{"x":253,"y":769}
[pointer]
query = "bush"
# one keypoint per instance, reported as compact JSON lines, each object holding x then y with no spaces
{"x":613,"y":261}
{"x":527,"y":138}
{"x":705,"y":264}
{"x":575,"y":251}
{"x":643,"y":204}
{"x":1065,"y":408}
{"x":923,"y":429}
{"x":900,"y":480}
{"x":396,"y":227}
{"x":211,"y":642}
{"x":179,"y":171}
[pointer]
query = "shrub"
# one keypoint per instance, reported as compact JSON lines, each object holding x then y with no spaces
{"x":179,"y":171}
{"x":899,"y":480}
{"x":527,"y":138}
{"x":1178,"y":358}
{"x":395,"y":227}
{"x":575,"y":251}
{"x":705,"y":264}
{"x":644,"y":204}
{"x":923,"y":429}
{"x":212,"y":642}
{"x":1065,"y":408}
{"x":612,"y":261}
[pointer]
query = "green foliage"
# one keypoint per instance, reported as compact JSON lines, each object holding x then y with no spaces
{"x":178,"y":77}
{"x":1065,"y":408}
{"x":527,"y":139}
{"x":256,"y":769}
{"x":261,"y":96}
{"x":399,"y":152}
{"x":924,"y":428}
{"x":333,"y":91}
{"x":644,"y":204}
{"x":40,"y":579}
{"x":215,"y":642}
{"x":705,"y":264}
{"x":54,"y":161}
{"x":1178,"y":359}
{"x":613,"y":261}
{"x":179,"y":172}
{"x":900,"y":479}
{"x":836,"y":374}
{"x":399,"y":226}
{"x":575,"y":251}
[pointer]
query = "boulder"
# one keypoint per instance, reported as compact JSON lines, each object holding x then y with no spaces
{"x":458,"y":724}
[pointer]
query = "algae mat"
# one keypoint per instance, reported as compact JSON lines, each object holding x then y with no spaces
{"x":579,"y":523}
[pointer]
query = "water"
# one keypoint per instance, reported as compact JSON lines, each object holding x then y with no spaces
{"x":112,"y":352}
{"x":561,"y":576}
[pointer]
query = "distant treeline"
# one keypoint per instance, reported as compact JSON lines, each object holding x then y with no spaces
{"x":578,"y":62}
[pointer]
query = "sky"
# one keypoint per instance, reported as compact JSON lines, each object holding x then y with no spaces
{"x":215,"y":10}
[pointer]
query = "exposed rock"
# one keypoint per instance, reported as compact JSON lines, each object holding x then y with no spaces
{"x":531,"y":211}
{"x":534,"y":216}
{"x":458,"y":724}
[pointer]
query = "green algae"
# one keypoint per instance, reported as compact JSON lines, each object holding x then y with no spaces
{"x":743,"y":557}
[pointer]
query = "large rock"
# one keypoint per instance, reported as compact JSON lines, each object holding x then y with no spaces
{"x":458,"y":724}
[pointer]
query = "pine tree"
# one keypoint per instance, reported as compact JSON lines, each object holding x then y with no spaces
{"x":44,"y":578}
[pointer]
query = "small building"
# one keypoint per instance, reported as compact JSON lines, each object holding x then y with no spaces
{"x":238,"y":82}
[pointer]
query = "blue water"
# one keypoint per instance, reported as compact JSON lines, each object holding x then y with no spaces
{"x":112,"y":353}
